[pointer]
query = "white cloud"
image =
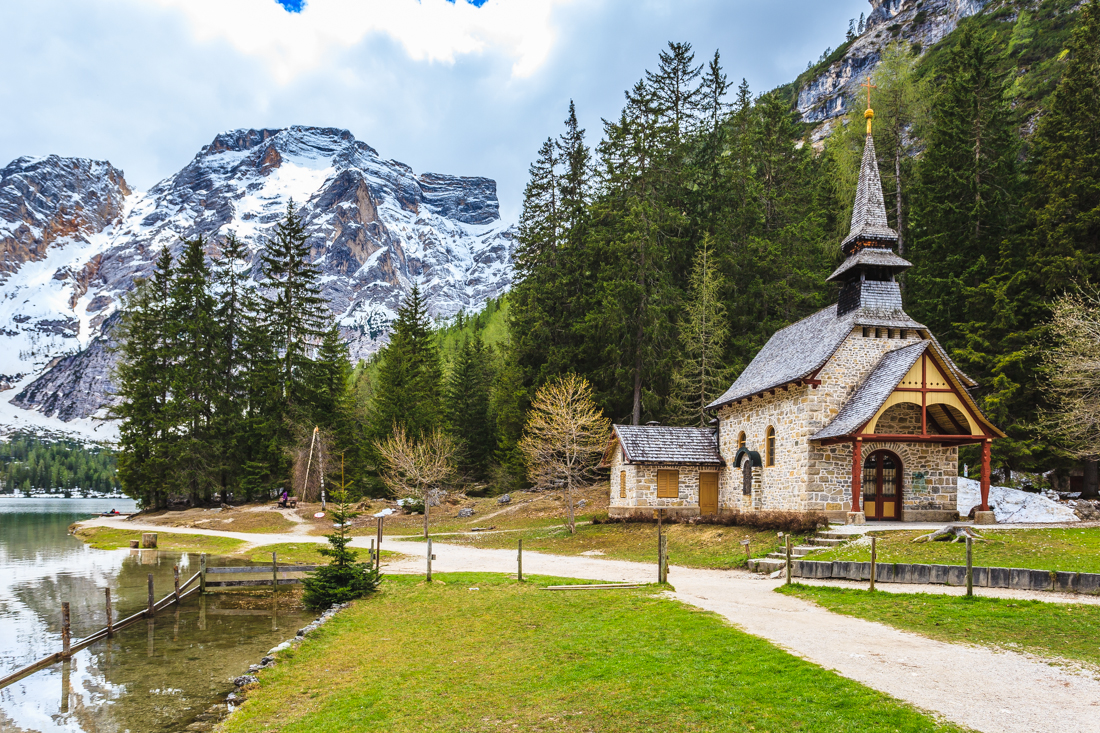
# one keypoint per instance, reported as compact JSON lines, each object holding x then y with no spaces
{"x":429,"y":30}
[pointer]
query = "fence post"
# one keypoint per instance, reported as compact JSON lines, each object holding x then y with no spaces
{"x":110,"y":621}
{"x":873,"y":562}
{"x":152,"y":602}
{"x":969,"y":566}
{"x":202,"y":574}
{"x":176,"y":573}
{"x":371,"y":555}
{"x":378,"y":545}
{"x":788,"y":538}
{"x":66,"y":636}
{"x":274,"y":573}
{"x":429,"y":559}
{"x":519,"y":562}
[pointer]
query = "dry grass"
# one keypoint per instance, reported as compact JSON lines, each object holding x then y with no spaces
{"x":238,"y":519}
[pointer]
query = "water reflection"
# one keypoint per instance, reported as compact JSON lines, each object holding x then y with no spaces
{"x":157,"y":675}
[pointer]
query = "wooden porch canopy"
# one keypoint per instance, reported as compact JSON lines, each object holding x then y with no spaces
{"x":916,"y":375}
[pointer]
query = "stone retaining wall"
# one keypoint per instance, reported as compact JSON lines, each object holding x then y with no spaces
{"x":1015,"y":578}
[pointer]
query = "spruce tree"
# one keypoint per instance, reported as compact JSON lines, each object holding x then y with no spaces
{"x":231,"y":315}
{"x":467,"y":408}
{"x":409,"y":388}
{"x":966,"y":194}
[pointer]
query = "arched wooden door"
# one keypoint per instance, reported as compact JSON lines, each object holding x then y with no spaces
{"x":882,"y":486}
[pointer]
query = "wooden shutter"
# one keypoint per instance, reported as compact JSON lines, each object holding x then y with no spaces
{"x":622,"y":484}
{"x":668,"y":484}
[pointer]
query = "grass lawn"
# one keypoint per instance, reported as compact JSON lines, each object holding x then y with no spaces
{"x":1070,"y":550}
{"x":697,"y":546}
{"x":303,"y":553}
{"x":109,"y":538}
{"x":510,"y":656}
{"x":1066,"y":630}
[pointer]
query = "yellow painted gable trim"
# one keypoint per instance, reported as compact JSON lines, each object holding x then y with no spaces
{"x":936,"y":380}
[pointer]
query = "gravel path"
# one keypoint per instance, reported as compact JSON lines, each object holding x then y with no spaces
{"x":983,"y":689}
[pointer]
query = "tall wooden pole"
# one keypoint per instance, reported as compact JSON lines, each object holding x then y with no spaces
{"x":110,"y":620}
{"x":986,"y":445}
{"x":66,"y":635}
{"x":874,"y":560}
{"x":429,"y":554}
{"x":969,"y":566}
{"x":788,"y":538}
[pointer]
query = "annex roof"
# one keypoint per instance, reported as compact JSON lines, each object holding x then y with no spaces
{"x":872,"y":257}
{"x":870,"y":396}
{"x":664,"y":444}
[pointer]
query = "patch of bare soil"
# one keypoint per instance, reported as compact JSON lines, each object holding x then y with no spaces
{"x":252,"y":518}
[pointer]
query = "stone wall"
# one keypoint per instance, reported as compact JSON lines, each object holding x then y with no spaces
{"x":641,"y":487}
{"x":900,"y":419}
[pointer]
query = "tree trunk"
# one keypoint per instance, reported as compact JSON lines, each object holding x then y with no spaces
{"x":427,"y":504}
{"x":1091,"y":489}
{"x":569,"y":495}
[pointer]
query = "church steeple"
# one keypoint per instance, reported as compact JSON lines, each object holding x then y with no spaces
{"x":870,"y":243}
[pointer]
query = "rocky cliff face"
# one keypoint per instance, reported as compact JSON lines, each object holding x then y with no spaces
{"x":75,"y":238}
{"x":926,"y":22}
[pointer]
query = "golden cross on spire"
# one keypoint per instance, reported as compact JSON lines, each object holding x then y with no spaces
{"x":870,"y":113}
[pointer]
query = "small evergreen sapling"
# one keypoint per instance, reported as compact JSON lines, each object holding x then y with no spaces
{"x":342,"y":579}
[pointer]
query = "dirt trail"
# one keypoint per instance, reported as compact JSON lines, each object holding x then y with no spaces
{"x":983,"y":689}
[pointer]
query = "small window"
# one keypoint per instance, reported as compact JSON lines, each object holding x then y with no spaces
{"x":889,"y":333}
{"x":668,"y":484}
{"x":769,"y":446}
{"x":622,"y":484}
{"x":866,"y":332}
{"x":741,"y":440}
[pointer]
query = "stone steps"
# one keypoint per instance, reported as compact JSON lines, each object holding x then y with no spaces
{"x":778,"y":560}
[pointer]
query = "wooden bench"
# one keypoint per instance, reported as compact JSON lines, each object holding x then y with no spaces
{"x":291,"y":502}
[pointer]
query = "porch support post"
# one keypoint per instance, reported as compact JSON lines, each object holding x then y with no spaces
{"x":856,"y":516}
{"x":986,"y":444}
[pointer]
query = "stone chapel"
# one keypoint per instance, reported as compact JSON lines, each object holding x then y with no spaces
{"x":855,"y":411}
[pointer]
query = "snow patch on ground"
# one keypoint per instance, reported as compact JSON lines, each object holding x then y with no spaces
{"x":1013,"y":505}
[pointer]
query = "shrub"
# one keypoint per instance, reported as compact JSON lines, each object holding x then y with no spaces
{"x":792,"y":522}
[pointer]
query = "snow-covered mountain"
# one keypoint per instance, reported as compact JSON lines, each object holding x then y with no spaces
{"x":73,"y":238}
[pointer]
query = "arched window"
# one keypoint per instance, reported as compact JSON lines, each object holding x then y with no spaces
{"x":769,"y":446}
{"x":741,"y":440}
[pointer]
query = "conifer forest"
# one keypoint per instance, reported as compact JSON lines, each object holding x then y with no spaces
{"x":655,"y":257}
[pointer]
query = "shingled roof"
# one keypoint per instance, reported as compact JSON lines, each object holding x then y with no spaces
{"x":663,"y":444}
{"x":872,"y":257}
{"x":869,"y":211}
{"x":870,"y":396}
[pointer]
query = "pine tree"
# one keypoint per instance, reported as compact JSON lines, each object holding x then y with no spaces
{"x":965,"y":199}
{"x":409,"y":389}
{"x":231,"y":315}
{"x":467,"y":408}
{"x":194,"y":375}
{"x":702,"y":375}
{"x":297,"y":315}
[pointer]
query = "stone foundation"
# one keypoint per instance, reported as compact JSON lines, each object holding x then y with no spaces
{"x":618,"y":512}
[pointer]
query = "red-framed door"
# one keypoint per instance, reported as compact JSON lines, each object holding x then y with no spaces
{"x":882,"y":486}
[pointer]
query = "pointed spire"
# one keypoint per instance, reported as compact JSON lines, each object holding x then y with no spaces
{"x":869,"y":224}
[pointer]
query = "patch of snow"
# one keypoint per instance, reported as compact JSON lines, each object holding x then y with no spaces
{"x":384,"y":513}
{"x":1013,"y":505}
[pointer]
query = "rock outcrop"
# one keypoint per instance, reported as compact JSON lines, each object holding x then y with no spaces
{"x":924,"y":22}
{"x":74,"y":238}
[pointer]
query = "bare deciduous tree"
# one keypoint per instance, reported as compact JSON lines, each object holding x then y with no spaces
{"x":310,"y":455}
{"x":1073,"y":370}
{"x":417,"y":468}
{"x":564,"y":437}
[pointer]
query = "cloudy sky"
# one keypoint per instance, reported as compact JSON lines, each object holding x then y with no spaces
{"x":458,"y":87}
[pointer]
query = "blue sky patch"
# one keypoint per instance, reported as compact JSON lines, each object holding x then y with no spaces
{"x":475,"y":3}
{"x":295,"y":6}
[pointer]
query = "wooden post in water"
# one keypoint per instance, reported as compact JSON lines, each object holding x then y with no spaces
{"x":430,"y":556}
{"x":202,"y":574}
{"x":874,"y":560}
{"x":66,"y":636}
{"x":110,"y":620}
{"x":969,"y":566}
{"x":152,"y":601}
{"x":519,"y":562}
{"x":274,"y":573}
{"x":788,"y":539}
{"x":176,"y":572}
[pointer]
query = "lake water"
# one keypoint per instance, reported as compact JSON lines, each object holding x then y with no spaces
{"x":152,"y":677}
